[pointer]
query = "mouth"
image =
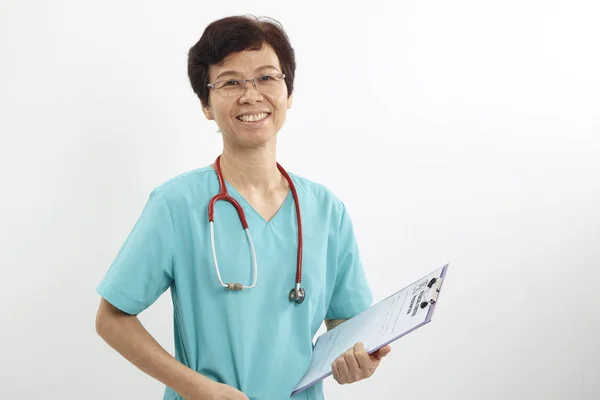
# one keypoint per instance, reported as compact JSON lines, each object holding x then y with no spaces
{"x":254,"y":118}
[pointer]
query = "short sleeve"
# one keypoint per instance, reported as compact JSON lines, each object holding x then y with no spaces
{"x":351,"y":293}
{"x":142,"y":269}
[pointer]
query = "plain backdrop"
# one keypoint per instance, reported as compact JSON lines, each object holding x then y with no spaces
{"x":465,"y":132}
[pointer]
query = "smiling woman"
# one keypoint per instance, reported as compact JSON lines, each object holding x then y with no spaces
{"x":219,"y":67}
{"x":232,"y":302}
{"x":248,"y":114}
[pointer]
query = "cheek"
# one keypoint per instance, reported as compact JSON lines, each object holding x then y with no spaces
{"x":221,"y":111}
{"x":281,"y":107}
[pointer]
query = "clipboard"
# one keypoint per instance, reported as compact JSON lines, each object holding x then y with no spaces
{"x":379,"y":325}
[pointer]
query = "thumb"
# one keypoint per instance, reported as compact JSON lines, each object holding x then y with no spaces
{"x":382,"y":352}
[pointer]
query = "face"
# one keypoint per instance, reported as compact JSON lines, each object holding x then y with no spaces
{"x":226,"y":111}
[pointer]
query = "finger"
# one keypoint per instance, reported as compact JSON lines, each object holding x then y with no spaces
{"x":351,"y":360}
{"x":355,"y":373}
{"x":335,"y":371}
{"x":343,"y":370}
{"x":379,"y":354}
{"x":384,"y":351}
{"x":362,"y":357}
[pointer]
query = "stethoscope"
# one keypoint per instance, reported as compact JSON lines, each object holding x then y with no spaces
{"x":297,"y":293}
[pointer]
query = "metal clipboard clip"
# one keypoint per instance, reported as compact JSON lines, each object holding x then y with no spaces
{"x":432,"y":293}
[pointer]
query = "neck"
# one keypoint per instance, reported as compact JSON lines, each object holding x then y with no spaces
{"x":254,"y":171}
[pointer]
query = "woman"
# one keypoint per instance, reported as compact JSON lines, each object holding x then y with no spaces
{"x":243,"y":325}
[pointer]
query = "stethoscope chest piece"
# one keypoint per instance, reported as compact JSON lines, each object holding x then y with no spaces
{"x":297,"y":295}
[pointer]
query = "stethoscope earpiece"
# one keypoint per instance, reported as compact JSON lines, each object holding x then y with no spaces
{"x":297,"y":295}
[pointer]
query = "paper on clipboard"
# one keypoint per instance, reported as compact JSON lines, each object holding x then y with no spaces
{"x":379,"y":325}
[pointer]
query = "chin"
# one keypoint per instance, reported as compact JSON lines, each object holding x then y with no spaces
{"x":260,"y":141}
{"x":256,"y":137}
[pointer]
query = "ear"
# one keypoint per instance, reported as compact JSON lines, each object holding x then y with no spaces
{"x":290,"y":100}
{"x":207,"y":112}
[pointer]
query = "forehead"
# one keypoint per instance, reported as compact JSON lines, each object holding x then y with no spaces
{"x":245,"y":63}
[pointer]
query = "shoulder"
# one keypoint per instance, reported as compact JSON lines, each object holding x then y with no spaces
{"x":314,"y":189}
{"x":186,"y":186}
{"x":318,"y":195}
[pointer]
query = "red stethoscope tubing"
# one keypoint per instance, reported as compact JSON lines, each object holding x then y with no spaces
{"x":224,"y":195}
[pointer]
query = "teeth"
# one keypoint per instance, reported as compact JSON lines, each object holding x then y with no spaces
{"x":253,"y":117}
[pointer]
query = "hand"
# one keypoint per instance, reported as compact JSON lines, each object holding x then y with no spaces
{"x":226,"y":392}
{"x":356,"y":364}
{"x":219,"y":391}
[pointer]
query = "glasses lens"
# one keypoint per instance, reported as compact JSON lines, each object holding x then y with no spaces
{"x":264,"y":83}
{"x":267,"y":83}
{"x":230,"y":88}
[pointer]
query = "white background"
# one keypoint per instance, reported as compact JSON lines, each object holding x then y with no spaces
{"x":465,"y":132}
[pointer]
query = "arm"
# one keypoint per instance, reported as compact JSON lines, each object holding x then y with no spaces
{"x":142,"y":270}
{"x":351,"y":295}
{"x":126,"y":334}
{"x":332,"y":323}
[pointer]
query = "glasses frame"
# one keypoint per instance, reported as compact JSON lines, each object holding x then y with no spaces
{"x":243,"y":81}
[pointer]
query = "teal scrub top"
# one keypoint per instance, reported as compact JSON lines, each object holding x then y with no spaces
{"x":255,"y":340}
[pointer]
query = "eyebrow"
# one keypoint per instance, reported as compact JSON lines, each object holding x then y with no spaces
{"x":237,"y":73}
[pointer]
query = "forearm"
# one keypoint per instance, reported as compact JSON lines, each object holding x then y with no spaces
{"x":332,"y":323}
{"x":126,"y":334}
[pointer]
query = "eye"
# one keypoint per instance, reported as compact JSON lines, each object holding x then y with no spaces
{"x":265,"y":78}
{"x":231,"y":83}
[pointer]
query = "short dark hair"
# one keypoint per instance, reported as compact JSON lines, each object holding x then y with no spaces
{"x":235,"y":34}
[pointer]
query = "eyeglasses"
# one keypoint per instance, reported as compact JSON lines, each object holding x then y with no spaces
{"x":237,"y":87}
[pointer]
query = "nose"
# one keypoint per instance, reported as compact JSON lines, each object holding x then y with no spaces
{"x":251,"y":93}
